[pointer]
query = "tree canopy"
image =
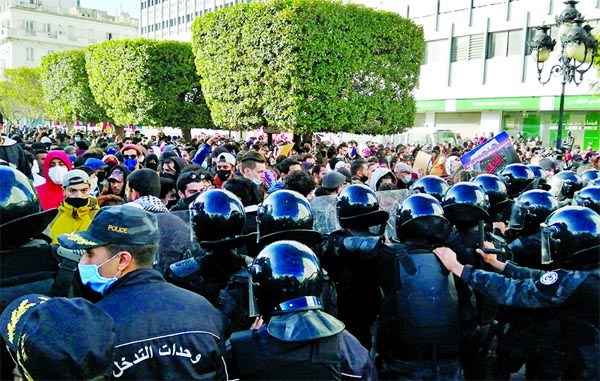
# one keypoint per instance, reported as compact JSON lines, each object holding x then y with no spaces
{"x":66,"y":91}
{"x":147,"y":82}
{"x":20,"y":94}
{"x":308,"y":66}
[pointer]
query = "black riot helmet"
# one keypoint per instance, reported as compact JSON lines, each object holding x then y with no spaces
{"x":431,"y":184}
{"x":588,"y":197}
{"x":286,"y":277}
{"x":465,"y":204}
{"x":571,"y":237}
{"x":540,"y":175}
{"x":564,"y":184}
{"x":421,"y":216}
{"x":531,"y":209}
{"x":21,"y":216}
{"x":358,"y":207}
{"x":495,"y":189}
{"x":518,"y":178}
{"x":217,"y":215}
{"x":285,"y":214}
{"x":589,"y":175}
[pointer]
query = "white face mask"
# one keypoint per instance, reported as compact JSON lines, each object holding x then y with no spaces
{"x":35,"y":168}
{"x":57,"y":173}
{"x":93,"y":184}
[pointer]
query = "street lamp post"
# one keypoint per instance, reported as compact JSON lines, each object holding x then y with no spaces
{"x":578,"y":48}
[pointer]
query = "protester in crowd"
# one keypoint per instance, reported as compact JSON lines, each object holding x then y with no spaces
{"x":78,"y":209}
{"x":116,"y":181}
{"x":56,"y":165}
{"x":225,"y":165}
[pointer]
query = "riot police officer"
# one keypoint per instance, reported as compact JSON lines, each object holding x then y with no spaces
{"x":218,"y":219}
{"x":28,"y":263}
{"x":531,"y":338}
{"x":465,"y":205}
{"x":352,"y":258}
{"x":589,"y":197}
{"x":564,"y":184}
{"x":518,"y":178}
{"x":570,"y":239}
{"x":432,"y":185}
{"x":299,"y":340}
{"x":418,"y":329}
{"x":287,"y":215}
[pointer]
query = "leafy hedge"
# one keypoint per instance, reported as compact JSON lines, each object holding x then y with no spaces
{"x":308,"y":65}
{"x":66,"y":93}
{"x":148,"y":82}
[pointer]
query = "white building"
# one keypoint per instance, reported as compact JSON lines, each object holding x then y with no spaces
{"x":32,"y":29}
{"x":477,"y":76}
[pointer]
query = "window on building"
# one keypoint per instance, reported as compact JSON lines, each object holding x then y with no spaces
{"x":71,"y":33}
{"x":505,"y":43}
{"x":435,"y":51}
{"x":29,"y":55}
{"x":30,"y":27}
{"x":91,"y":36}
{"x":109,"y":36}
{"x":466,"y":48}
{"x":50,"y":52}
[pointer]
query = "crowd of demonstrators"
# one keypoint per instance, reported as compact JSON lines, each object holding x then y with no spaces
{"x":221,"y":232}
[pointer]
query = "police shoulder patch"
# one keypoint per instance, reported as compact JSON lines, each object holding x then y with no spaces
{"x":549,"y":282}
{"x":549,"y":278}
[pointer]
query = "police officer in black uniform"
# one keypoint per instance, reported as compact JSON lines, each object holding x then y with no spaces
{"x":432,"y":185}
{"x":465,"y":205}
{"x":588,"y":197}
{"x":564,"y":184}
{"x":287,"y":215}
{"x":352,"y":258}
{"x":418,"y":330}
{"x":531,"y":337}
{"x":299,"y":341}
{"x":28,"y":263}
{"x":218,"y":219}
{"x":571,"y":241}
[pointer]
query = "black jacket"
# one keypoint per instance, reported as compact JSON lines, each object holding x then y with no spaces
{"x":163,"y":331}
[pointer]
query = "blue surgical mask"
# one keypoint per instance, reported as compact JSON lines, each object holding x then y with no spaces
{"x":257,"y":182}
{"x":130,"y":163}
{"x":90,"y":276}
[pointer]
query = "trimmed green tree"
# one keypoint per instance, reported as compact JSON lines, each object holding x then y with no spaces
{"x":308,"y":66}
{"x":147,"y":82}
{"x":20,"y":94}
{"x":66,"y":90}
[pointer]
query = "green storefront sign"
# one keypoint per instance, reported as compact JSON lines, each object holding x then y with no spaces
{"x":579,"y":102}
{"x":522,"y":103}
{"x":435,"y":105}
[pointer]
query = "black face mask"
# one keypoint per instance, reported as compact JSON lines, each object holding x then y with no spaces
{"x":364,"y":178}
{"x":171,"y":203}
{"x":168,"y":176}
{"x":76,"y":202}
{"x":101,"y":175}
{"x":223,"y":174}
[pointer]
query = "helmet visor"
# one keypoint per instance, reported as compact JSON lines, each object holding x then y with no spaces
{"x":556,"y":186}
{"x":546,"y":238}
{"x":517,"y":217}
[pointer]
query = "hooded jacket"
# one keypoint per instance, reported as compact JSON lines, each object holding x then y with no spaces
{"x":51,"y":194}
{"x":378,"y":174}
{"x":107,"y":189}
{"x":70,"y":219}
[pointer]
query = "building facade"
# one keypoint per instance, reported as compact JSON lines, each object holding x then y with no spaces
{"x":477,"y":76}
{"x":32,"y":29}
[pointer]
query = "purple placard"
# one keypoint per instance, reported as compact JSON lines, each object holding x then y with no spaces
{"x":492,"y":156}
